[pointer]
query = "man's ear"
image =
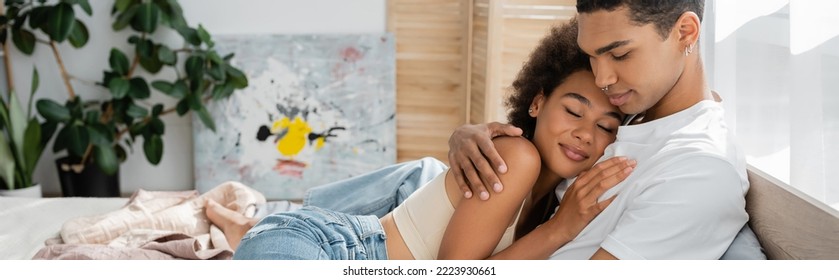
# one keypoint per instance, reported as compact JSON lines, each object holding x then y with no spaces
{"x":688,"y":27}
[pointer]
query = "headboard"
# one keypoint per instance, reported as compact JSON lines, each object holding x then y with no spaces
{"x":788,"y":223}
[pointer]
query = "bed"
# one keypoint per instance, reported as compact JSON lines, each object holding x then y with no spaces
{"x":788,"y":223}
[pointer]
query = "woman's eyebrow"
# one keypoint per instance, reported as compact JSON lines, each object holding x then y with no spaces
{"x":578,"y":97}
{"x":585,"y":101}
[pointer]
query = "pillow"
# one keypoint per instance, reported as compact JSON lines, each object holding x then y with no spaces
{"x":744,"y":247}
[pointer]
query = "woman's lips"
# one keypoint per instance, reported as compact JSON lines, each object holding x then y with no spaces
{"x":573,"y":153}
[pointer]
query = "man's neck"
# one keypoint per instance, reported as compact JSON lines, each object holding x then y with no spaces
{"x":690,"y":89}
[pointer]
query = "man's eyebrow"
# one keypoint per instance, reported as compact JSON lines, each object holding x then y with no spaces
{"x":587,"y":102}
{"x":611,"y":46}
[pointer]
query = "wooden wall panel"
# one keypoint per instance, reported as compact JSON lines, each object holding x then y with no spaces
{"x":432,"y":38}
{"x":455,"y":61}
{"x":524,"y":22}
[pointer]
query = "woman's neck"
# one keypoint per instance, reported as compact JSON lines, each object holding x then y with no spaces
{"x":545,"y":183}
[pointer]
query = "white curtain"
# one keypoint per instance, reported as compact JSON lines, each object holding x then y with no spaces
{"x":776,"y":65}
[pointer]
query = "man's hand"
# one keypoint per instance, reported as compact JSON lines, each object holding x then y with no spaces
{"x":472,"y":157}
{"x":580,"y":203}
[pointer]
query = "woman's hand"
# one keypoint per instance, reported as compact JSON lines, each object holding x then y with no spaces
{"x":472,"y":157}
{"x":580,"y":203}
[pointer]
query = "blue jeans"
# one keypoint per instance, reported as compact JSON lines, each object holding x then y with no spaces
{"x":377,"y":192}
{"x":312,"y":233}
{"x":350,"y":228}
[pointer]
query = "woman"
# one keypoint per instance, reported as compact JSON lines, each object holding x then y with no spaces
{"x":567,"y":123}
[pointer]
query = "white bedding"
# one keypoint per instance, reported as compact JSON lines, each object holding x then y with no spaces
{"x":25,"y":223}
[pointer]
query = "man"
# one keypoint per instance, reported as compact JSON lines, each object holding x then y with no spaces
{"x":685,"y":199}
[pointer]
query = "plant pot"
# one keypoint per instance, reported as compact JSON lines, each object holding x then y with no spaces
{"x":31,"y":192}
{"x":90,"y":182}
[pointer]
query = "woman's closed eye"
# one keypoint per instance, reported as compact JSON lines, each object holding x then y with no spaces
{"x":606,"y":128}
{"x":572,"y":113}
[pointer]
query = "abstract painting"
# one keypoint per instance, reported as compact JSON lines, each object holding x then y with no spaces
{"x":317,"y":109}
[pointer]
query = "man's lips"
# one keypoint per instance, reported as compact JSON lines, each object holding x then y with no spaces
{"x":620,"y":98}
{"x":574,"y":153}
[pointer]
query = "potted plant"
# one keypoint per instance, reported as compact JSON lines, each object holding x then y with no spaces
{"x":22,"y":140}
{"x":97,"y":135}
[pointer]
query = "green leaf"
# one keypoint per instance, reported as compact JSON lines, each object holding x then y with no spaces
{"x":224,"y":91}
{"x":162,"y":86}
{"x":151,"y":64}
{"x":170,"y":89}
{"x":147,"y":18}
{"x":139,"y":88}
{"x":121,"y":154}
{"x":52,"y":111}
{"x":119,"y":62}
{"x":86,"y":7}
{"x":99,"y":135}
{"x":106,"y":159}
{"x":33,"y":88}
{"x":145,"y":48}
{"x":38,"y":17}
{"x":205,"y":36}
{"x":16,"y":125}
{"x":76,"y":137}
{"x":60,"y":23}
{"x":24,"y":40}
{"x":79,"y":36}
{"x":217,"y":71}
{"x":31,"y":147}
{"x":194,"y":67}
{"x":194,"y":101}
{"x":156,"y":110}
{"x":126,"y":17}
{"x":135,"y":130}
{"x":153,"y":148}
{"x":166,"y":55}
{"x":47,"y":130}
{"x":121,"y":5}
{"x":92,"y":116}
{"x":7,"y":159}
{"x":136,"y":112}
{"x":179,"y":90}
{"x":119,"y":87}
{"x":190,"y":35}
{"x":206,"y":118}
{"x":156,"y":126}
{"x":183,"y":107}
{"x":236,"y":77}
{"x":7,"y":164}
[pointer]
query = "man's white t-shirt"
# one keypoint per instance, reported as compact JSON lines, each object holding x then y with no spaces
{"x":684,"y":200}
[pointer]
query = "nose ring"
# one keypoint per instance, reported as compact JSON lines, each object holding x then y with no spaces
{"x":605,"y":89}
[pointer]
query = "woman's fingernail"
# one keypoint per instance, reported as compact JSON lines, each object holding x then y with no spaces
{"x":502,"y":168}
{"x":632,"y":162}
{"x":497,"y":187}
{"x":467,"y":194}
{"x":484,"y":195}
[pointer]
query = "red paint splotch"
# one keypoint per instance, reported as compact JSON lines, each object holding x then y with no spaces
{"x":351,"y":54}
{"x":291,"y":168}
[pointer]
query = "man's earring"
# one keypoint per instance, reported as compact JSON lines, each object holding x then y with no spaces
{"x":688,"y":50}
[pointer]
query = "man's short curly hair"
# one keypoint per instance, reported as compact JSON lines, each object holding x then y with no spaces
{"x":555,"y":58}
{"x":662,"y":13}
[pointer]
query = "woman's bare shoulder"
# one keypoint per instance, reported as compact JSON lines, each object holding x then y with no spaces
{"x":518,"y":153}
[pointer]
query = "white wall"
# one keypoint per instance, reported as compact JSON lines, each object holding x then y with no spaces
{"x":175,"y":171}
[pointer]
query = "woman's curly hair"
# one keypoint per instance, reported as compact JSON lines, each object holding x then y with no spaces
{"x":555,"y":58}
